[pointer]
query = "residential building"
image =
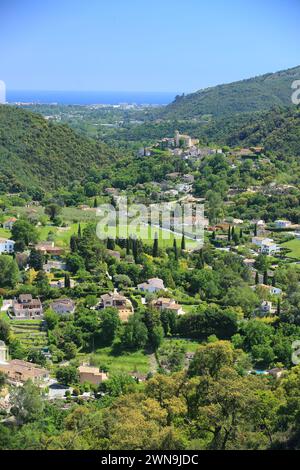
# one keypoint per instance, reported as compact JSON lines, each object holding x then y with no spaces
{"x":119,"y":302}
{"x":163,"y":303}
{"x":53,"y":265}
{"x":91,"y":375}
{"x":27,"y":308}
{"x":63,"y":306}
{"x":60,"y":283}
{"x":152,"y":285}
{"x":269,"y":248}
{"x":283,"y":223}
{"x":276,"y":372}
{"x":8,"y":224}
{"x":18,"y":372}
{"x":271,"y":289}
{"x":266,"y":246}
{"x":49,"y":248}
{"x":6,"y":246}
{"x":114,"y":254}
{"x":267,"y":308}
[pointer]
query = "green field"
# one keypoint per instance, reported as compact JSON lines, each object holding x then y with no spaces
{"x":116,"y":361}
{"x":190,"y":346}
{"x":61,"y":235}
{"x":29,"y":333}
{"x":4,"y":233}
{"x":294,"y":246}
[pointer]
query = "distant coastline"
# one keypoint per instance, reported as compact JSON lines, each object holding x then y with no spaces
{"x":90,"y":97}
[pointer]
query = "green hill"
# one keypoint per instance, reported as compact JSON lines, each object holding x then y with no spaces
{"x":255,"y":94}
{"x":36,"y":153}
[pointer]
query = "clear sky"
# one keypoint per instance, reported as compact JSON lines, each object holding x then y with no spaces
{"x":144,"y":45}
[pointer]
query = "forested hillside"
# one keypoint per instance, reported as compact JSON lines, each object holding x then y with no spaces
{"x":36,"y":153}
{"x":254,"y":94}
{"x":278,"y":131}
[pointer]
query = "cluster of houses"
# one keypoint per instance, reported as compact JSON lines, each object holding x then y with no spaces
{"x":18,"y":372}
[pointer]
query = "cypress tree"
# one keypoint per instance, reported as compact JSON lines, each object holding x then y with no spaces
{"x":255,"y":230}
{"x":200,"y":263}
{"x":155,"y":247}
{"x":278,"y":307}
{"x":110,"y":244}
{"x":79,"y":231}
{"x":229,"y":233}
{"x":175,"y":249}
{"x":183,"y":242}
{"x":67,"y":281}
{"x":127,"y":246}
{"x":73,"y":244}
{"x":256,"y":278}
{"x":266,"y":277}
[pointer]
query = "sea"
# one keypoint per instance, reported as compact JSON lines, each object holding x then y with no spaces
{"x":90,"y":97}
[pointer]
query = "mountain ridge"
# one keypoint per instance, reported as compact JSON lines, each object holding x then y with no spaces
{"x":253,"y":94}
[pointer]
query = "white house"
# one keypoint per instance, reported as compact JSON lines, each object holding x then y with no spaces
{"x":283,"y":223}
{"x":269,"y":248}
{"x":63,"y":306}
{"x":266,"y":246}
{"x":258,"y":241}
{"x":267,"y":308}
{"x":6,"y":246}
{"x":275,"y":290}
{"x":152,"y":285}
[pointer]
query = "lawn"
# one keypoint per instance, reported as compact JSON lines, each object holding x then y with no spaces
{"x":294,"y":246}
{"x":4,"y":233}
{"x":116,"y":361}
{"x":62,"y":235}
{"x":190,"y":346}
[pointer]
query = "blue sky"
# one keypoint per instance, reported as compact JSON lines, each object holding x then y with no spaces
{"x":141,"y":45}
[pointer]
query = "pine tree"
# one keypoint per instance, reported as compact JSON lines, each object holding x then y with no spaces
{"x":95,"y":202}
